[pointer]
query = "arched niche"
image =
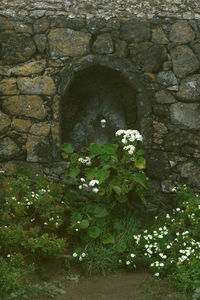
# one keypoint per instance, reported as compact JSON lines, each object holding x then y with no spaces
{"x":95,"y":94}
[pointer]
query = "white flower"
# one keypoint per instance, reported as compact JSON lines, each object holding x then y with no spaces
{"x":93,"y":182}
{"x":82,"y":179}
{"x":74,"y":254}
{"x":130,"y":149}
{"x":132,"y":255}
{"x":127,"y":262}
{"x":157,"y":274}
{"x":80,"y":258}
{"x":76,"y":229}
{"x":95,"y":190}
{"x":120,"y":261}
{"x":78,"y":222}
{"x":83,"y":254}
{"x":80,"y":187}
{"x":178,"y":209}
{"x":8,"y":255}
{"x":167,"y":216}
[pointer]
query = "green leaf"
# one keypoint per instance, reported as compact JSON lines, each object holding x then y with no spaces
{"x":117,"y":189}
{"x":64,"y":155}
{"x":76,"y":217}
{"x":73,"y":172}
{"x":100,"y":212}
{"x":121,"y":199}
{"x":84,"y":224}
{"x":95,"y":149}
{"x":94,"y":232}
{"x":110,"y":148}
{"x":140,"y":152}
{"x":67,"y":148}
{"x":102,"y":175}
{"x":141,"y":179}
{"x":108,"y":239}
{"x":74,"y":158}
{"x":140,"y":163}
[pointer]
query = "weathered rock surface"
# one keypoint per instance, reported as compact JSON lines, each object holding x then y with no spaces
{"x":33,"y":67}
{"x":190,"y":88}
{"x":181,"y":33}
{"x":4,"y":122}
{"x":147,"y":56}
{"x":41,"y":85}
{"x":159,"y":37}
{"x":41,"y":129}
{"x":164,"y":97}
{"x":167,"y":78}
{"x":8,"y":148}
{"x":41,"y":42}
{"x":103,"y":44}
{"x":8,"y":87}
{"x":186,"y":115}
{"x":16,"y":47}
{"x":67,"y":42}
{"x":21,"y":125}
{"x":134,"y":31}
{"x":41,"y":25}
{"x":184,"y":61}
{"x":191,"y":172}
{"x":24,"y":105}
{"x":38,"y":149}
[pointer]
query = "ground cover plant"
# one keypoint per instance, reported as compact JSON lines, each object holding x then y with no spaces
{"x":90,"y":220}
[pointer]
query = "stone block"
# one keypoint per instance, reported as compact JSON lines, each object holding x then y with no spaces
{"x":159,"y":37}
{"x":134,"y":31}
{"x":166,"y":78}
{"x":41,"y":25}
{"x":103,"y":44}
{"x":184,"y":61}
{"x":33,"y":67}
{"x":41,"y":85}
{"x":41,"y":129}
{"x":21,"y":125}
{"x":164,"y":97}
{"x":8,"y":87}
{"x":38,"y":149}
{"x":40,"y":41}
{"x":191,"y":172}
{"x":16,"y":47}
{"x":186,"y":115}
{"x":67,"y":42}
{"x":181,"y":33}
{"x":25,"y":105}
{"x":8,"y":148}
{"x":190,"y":88}
{"x":4,"y":122}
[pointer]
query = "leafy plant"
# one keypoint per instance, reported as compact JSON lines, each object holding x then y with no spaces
{"x":103,"y":178}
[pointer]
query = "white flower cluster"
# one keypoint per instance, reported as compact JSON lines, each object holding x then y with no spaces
{"x":90,"y":186}
{"x":79,"y":257}
{"x":86,"y":161}
{"x":130,"y":148}
{"x":130,"y":260}
{"x":2,"y":172}
{"x":129,"y":135}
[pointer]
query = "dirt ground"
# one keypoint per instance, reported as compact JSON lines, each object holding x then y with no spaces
{"x":119,"y":286}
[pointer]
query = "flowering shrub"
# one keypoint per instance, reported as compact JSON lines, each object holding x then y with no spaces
{"x":172,"y":246}
{"x":102,"y":178}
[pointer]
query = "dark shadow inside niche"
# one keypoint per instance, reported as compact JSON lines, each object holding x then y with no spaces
{"x":97,"y":95}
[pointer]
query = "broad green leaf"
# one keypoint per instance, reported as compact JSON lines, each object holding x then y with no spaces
{"x":101,"y":212}
{"x":76,"y":217}
{"x":94,"y":232}
{"x":64,"y":155}
{"x":117,"y":189}
{"x":140,"y":152}
{"x":108,"y":239}
{"x":95,"y":149}
{"x":84,"y":224}
{"x":140,"y":163}
{"x":141,"y":179}
{"x":74,"y":157}
{"x":110,"y":148}
{"x":102,"y":175}
{"x":73,"y":172}
{"x":91,"y":173}
{"x":67,"y":148}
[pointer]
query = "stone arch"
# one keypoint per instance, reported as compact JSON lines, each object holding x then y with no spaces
{"x":132,"y":111}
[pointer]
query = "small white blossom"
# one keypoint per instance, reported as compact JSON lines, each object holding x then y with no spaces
{"x":74,"y":254}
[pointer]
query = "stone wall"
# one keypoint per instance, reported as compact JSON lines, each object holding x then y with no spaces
{"x":44,"y":44}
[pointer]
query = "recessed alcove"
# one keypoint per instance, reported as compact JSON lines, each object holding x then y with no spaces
{"x":98,"y":102}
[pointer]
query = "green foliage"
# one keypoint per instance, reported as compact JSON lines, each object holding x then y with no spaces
{"x":102,"y":179}
{"x":171,"y":245}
